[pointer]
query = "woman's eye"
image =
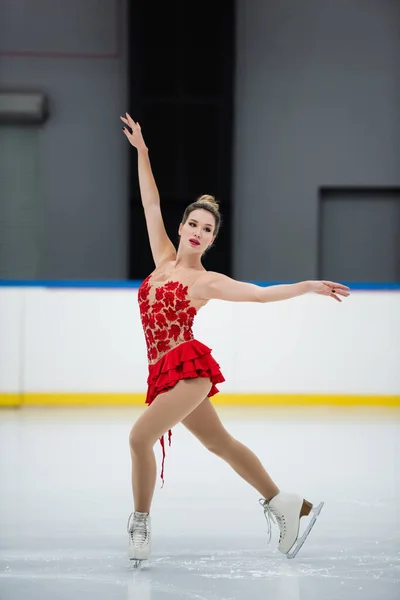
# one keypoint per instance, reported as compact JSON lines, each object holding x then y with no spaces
{"x":208,"y":229}
{"x":192,"y":224}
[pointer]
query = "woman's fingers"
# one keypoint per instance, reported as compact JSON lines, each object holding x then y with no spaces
{"x":135,"y":127}
{"x":131,"y":122}
{"x":334,"y":290}
{"x":338,"y":286}
{"x":338,"y":290}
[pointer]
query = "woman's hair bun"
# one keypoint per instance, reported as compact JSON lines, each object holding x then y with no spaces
{"x":209,"y":200}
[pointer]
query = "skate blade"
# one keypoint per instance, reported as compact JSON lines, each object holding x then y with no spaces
{"x":137,"y":562}
{"x":300,"y":542}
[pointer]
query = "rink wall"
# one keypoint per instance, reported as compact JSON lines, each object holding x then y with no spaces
{"x":82,"y":343}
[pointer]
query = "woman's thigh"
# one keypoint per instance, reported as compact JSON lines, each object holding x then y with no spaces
{"x":206,"y":425}
{"x":169,"y":408}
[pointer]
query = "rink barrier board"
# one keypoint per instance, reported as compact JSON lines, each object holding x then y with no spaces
{"x":138,"y":399}
{"x":20,"y":398}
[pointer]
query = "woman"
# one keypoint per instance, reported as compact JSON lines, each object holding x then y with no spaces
{"x":182,"y":372}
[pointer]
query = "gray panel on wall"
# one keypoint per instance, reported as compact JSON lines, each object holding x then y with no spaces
{"x":81,"y":149}
{"x":360,"y":235}
{"x":71,"y":28}
{"x":21,"y":208}
{"x":317,"y":105}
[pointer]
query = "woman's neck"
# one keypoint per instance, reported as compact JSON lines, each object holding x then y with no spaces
{"x":187,"y":262}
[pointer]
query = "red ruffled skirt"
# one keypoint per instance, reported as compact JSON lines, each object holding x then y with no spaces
{"x":187,"y":361}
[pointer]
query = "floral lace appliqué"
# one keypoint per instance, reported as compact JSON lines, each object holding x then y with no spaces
{"x":167,"y":317}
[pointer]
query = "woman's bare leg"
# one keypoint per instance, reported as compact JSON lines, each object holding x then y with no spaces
{"x":164,"y":412}
{"x":205,"y":424}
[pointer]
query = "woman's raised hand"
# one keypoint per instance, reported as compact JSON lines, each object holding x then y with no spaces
{"x":329,"y":288}
{"x":135,"y":134}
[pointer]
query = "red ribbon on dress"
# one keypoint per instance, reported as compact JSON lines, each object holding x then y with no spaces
{"x":163,"y":454}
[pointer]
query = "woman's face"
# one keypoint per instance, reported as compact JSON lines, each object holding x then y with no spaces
{"x":198,"y":231}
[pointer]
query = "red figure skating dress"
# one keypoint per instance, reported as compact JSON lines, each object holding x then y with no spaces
{"x":167,"y":316}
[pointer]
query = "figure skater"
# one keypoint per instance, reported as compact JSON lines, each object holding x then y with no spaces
{"x":182,"y":373}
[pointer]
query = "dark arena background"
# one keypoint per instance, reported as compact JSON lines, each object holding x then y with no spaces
{"x":181,"y":89}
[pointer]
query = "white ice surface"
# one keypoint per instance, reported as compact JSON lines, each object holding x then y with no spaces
{"x":65,"y":497}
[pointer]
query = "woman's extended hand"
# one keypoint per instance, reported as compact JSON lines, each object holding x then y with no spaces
{"x":329,"y":288}
{"x":135,"y":138}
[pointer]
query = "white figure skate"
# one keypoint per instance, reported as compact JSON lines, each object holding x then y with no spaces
{"x":286,"y":510}
{"x":139,"y":537}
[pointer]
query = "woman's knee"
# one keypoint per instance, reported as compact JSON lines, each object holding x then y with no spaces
{"x":220,"y":446}
{"x":139,"y":441}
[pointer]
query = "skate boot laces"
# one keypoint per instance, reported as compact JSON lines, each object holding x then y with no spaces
{"x":271,"y":514}
{"x":138,"y":529}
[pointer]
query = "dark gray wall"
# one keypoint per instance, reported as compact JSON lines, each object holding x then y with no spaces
{"x":317,"y":104}
{"x":63,"y":187}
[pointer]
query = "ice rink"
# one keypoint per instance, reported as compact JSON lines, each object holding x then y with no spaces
{"x":65,"y":499}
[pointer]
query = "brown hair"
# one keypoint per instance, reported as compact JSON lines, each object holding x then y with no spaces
{"x":205,"y":202}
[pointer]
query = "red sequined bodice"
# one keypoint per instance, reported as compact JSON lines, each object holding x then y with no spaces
{"x":167,"y":316}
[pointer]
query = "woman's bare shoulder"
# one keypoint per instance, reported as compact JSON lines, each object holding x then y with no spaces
{"x":202,"y":280}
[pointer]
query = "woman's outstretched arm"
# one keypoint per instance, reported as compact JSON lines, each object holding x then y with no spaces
{"x":161,"y":246}
{"x":211,"y":285}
